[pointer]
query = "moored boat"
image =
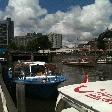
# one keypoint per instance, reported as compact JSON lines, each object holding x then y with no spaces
{"x":85,"y":97}
{"x":105,"y":60}
{"x":39,"y":78}
{"x":80,"y":62}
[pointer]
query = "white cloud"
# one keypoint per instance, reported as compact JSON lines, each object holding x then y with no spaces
{"x":84,"y":23}
{"x":26,"y":14}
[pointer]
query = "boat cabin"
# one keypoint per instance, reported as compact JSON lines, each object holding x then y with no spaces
{"x":85,"y":97}
{"x":31,"y":69}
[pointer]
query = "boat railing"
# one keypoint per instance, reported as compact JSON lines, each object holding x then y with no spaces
{"x":50,"y":77}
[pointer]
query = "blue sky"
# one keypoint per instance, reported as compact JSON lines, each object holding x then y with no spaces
{"x":63,"y":5}
{"x":53,"y":6}
{"x":3,"y":4}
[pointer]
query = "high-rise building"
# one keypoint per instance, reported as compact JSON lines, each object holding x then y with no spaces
{"x":6,"y":31}
{"x":56,"y":40}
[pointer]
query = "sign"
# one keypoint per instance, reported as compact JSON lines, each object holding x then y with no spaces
{"x":100,"y":95}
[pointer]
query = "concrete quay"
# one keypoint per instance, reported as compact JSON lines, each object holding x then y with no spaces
{"x":6,"y":102}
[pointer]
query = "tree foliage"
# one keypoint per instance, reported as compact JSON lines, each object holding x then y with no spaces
{"x":41,"y":42}
{"x":100,"y":42}
{"x":37,"y":43}
{"x":12,"y":45}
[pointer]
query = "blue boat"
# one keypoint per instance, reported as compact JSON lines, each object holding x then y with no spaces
{"x":40,"y":79}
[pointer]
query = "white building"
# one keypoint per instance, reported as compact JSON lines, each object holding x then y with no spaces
{"x":56,"y":40}
{"x":58,"y":51}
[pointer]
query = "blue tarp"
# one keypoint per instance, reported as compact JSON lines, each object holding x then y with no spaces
{"x":3,"y":50}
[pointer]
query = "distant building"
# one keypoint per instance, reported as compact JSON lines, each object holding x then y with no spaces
{"x":93,"y":44}
{"x":56,"y":40}
{"x":6,"y":31}
{"x":108,"y":43}
{"x":58,"y":51}
{"x":84,"y":47}
{"x":33,"y":35}
{"x":23,"y":40}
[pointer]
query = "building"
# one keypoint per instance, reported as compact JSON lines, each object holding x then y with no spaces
{"x":84,"y":47}
{"x":23,"y":40}
{"x":93,"y":45}
{"x":33,"y":35}
{"x":56,"y":40}
{"x":108,"y":44}
{"x":6,"y":31}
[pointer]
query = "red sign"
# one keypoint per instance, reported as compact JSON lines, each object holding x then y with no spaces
{"x":101,"y":95}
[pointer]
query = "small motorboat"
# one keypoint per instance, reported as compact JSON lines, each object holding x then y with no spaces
{"x":80,"y":62}
{"x":40,"y":79}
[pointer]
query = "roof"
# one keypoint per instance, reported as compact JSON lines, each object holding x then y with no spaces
{"x":35,"y":63}
{"x":97,"y":95}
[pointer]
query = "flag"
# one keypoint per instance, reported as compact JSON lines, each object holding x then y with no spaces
{"x":85,"y":78}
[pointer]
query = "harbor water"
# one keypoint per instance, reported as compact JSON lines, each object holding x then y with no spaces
{"x":74,"y":74}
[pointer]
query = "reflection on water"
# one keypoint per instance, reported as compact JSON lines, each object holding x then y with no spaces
{"x":40,"y":105}
{"x":73,"y":75}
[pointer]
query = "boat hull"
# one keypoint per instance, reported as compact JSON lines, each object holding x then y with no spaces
{"x":41,"y":87}
{"x":42,"y":90}
{"x":80,"y":64}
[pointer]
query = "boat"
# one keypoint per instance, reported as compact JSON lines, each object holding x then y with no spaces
{"x":80,"y":62}
{"x":85,"y":97}
{"x":39,"y":78}
{"x":101,"y":61}
{"x":105,"y":60}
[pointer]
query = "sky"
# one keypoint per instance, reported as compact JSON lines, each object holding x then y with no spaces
{"x":77,"y":20}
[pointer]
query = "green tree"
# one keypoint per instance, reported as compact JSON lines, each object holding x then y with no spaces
{"x":32,"y":45}
{"x":21,"y":48}
{"x":44,"y":42}
{"x":100,"y":40}
{"x":41,"y":42}
{"x":12,"y":45}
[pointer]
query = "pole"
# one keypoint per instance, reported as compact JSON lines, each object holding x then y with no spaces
{"x":20,"y":96}
{"x":32,"y":57}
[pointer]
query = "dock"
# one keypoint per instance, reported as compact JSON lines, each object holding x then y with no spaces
{"x":6,"y":102}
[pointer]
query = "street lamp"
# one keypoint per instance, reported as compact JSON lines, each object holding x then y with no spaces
{"x":109,"y":44}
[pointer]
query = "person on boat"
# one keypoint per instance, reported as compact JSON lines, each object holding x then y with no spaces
{"x":39,"y":70}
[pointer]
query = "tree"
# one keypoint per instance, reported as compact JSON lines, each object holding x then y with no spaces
{"x":44,"y":42}
{"x":100,"y":41}
{"x":21,"y":48}
{"x":41,"y":42}
{"x":32,"y":45}
{"x":12,"y":45}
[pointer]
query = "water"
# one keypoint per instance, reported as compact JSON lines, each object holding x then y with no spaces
{"x":73,"y":75}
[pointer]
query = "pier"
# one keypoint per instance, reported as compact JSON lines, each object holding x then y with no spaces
{"x":15,"y":56}
{"x":6,"y":102}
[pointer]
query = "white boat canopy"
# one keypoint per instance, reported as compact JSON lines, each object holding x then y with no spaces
{"x":35,"y":63}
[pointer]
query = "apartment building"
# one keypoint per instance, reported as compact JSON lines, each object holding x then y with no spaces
{"x":56,"y":40}
{"x":6,"y":31}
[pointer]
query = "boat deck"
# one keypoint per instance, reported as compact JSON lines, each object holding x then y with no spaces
{"x":96,"y":95}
